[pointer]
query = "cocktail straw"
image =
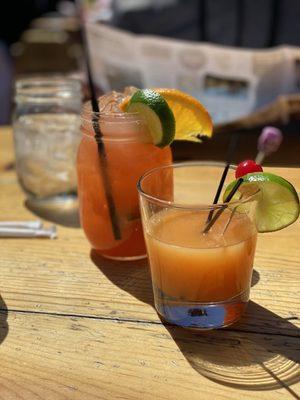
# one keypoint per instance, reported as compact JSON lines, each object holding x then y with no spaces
{"x":231,"y":150}
{"x":221,"y":210}
{"x":98,"y":134}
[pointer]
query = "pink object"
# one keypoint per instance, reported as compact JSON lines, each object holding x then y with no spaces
{"x":269,"y":140}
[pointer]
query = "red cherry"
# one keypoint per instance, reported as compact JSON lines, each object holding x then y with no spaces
{"x":246,"y":167}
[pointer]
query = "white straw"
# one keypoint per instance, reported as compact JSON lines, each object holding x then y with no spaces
{"x":21,"y":224}
{"x":6,"y":232}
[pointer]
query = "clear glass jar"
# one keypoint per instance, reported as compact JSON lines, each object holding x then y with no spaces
{"x":46,"y":128}
{"x":129,"y":155}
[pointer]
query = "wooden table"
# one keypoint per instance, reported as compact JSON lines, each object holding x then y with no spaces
{"x":76,"y":327}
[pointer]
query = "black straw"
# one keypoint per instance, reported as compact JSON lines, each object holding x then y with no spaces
{"x":231,"y":150}
{"x":98,"y":136}
{"x":227,"y":200}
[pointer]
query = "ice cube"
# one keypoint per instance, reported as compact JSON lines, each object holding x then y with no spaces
{"x":109,"y":102}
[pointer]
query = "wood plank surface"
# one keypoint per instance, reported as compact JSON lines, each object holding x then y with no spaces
{"x":54,"y":357}
{"x":82,"y":327}
{"x":59,"y":276}
{"x":64,"y":276}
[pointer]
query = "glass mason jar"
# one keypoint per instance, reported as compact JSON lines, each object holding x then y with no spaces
{"x":46,"y":126}
{"x":128,"y":156}
{"x":201,"y":279}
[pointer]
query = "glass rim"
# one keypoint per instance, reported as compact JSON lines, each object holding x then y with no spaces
{"x":87,"y":115}
{"x":187,"y":206}
{"x":51,"y":80}
{"x":40,"y":90}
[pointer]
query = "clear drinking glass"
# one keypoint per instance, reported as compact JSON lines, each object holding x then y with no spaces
{"x":46,"y":128}
{"x":200,"y":281}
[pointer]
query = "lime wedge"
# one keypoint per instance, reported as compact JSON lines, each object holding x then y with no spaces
{"x":278,"y":204}
{"x":157,"y":114}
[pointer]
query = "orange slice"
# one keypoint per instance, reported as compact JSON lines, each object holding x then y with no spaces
{"x":193,"y":121}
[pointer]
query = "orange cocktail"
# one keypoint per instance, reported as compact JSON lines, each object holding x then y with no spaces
{"x":128,"y":157}
{"x":201,"y":268}
{"x":200,"y":280}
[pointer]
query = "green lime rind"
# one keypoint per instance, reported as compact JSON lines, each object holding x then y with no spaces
{"x":156,"y":112}
{"x":278,"y":204}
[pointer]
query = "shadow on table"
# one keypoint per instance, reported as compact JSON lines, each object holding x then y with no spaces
{"x":255,"y":278}
{"x":233,"y":356}
{"x":132,"y":276}
{"x":237,"y":358}
{"x":3,"y":320}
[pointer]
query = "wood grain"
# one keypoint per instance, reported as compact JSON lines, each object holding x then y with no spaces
{"x":7,"y":154}
{"x":82,"y":327}
{"x":61,"y":276}
{"x":50,"y":357}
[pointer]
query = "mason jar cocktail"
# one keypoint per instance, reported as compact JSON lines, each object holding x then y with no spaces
{"x":128,"y":154}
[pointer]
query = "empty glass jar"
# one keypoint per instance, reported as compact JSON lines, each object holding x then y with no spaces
{"x":46,"y":128}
